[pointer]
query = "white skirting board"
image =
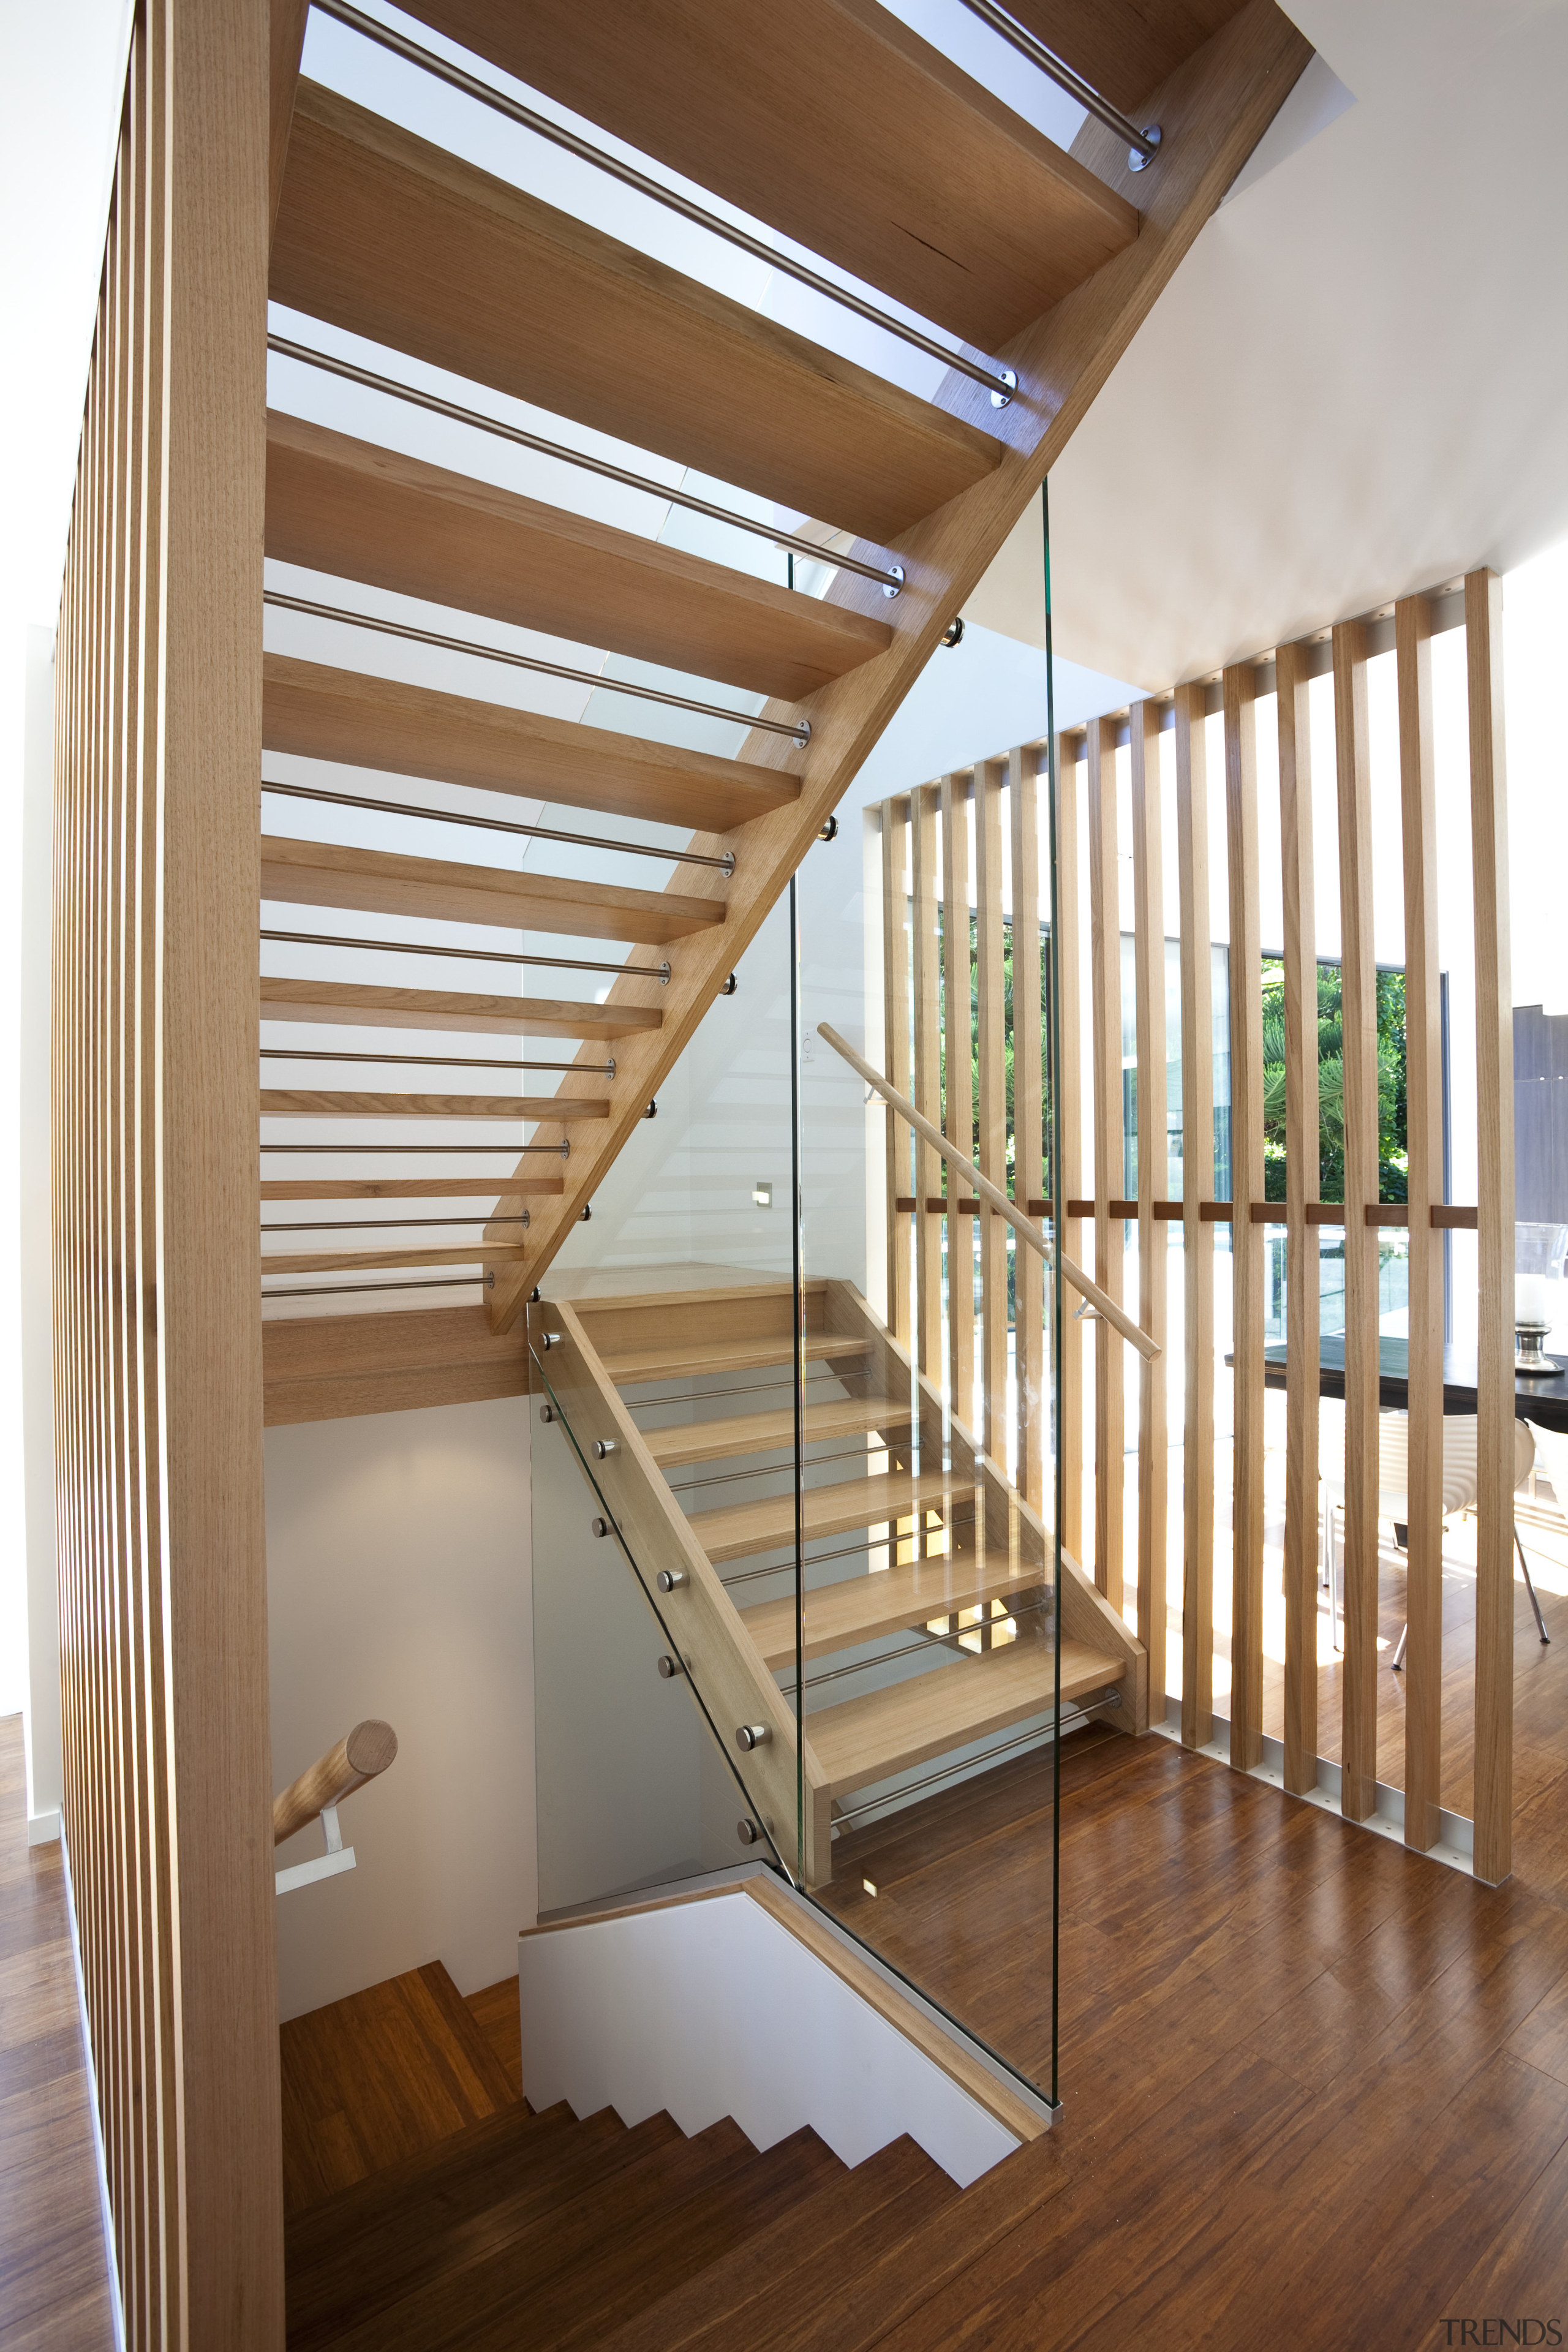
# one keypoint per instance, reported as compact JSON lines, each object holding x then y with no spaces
{"x":711,"y":2008}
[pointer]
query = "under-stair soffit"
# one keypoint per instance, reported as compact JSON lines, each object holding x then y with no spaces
{"x":1350,"y":389}
{"x":384,"y":597}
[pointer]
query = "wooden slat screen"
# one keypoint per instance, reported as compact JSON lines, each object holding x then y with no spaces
{"x":1086,"y":802}
{"x":158,"y":1408}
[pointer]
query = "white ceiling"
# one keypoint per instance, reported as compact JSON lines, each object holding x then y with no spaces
{"x":1356,"y":384}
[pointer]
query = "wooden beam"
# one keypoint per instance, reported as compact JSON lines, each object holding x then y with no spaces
{"x":1424,"y":1130}
{"x":400,"y":241}
{"x":992,"y":1023}
{"x":1247,"y":1241}
{"x":1301,"y":1250}
{"x":286,"y":44}
{"x":1359,"y":1026}
{"x":382,"y":882}
{"x":353,"y":1004}
{"x":898,"y":1153}
{"x":1197,"y":1232}
{"x":1154,"y":1180}
{"x":1067,"y":1182}
{"x":1109,"y":1146}
{"x":320,"y":713}
{"x":926,"y":989}
{"x":1034,"y":1404}
{"x":332,"y":1367}
{"x":1495,"y":1239}
{"x":958,"y":1111}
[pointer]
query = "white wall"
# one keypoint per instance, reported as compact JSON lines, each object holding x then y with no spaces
{"x":399,"y":1586}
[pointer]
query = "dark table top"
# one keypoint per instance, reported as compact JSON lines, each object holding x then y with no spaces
{"x":1539,"y":1399}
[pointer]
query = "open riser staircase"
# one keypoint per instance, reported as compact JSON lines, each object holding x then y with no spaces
{"x":827,"y":120}
{"x":929,"y":1622}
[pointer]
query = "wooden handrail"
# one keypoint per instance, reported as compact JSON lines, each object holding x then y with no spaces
{"x":358,"y":1756}
{"x":1103,"y":1304}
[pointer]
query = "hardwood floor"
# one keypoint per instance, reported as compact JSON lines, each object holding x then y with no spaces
{"x":1316,"y":2088}
{"x":54,"y":2278}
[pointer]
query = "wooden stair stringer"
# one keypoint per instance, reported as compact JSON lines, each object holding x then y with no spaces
{"x":1213,"y":109}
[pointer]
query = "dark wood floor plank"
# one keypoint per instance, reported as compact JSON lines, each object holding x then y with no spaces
{"x":499,"y":2017}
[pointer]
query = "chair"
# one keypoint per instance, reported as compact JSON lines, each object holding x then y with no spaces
{"x":1460,"y":1482}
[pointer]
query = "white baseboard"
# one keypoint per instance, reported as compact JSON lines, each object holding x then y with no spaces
{"x":106,"y":2210}
{"x":43,"y":1828}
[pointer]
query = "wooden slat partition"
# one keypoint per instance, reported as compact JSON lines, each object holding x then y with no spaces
{"x":1424,"y":1136}
{"x":926,"y":991}
{"x":168,"y":1783}
{"x":957,"y":1112}
{"x":1033,"y":1413}
{"x":1197,"y":1232}
{"x":1245,"y":1239}
{"x":1359,"y":1002}
{"x":1149,"y":987}
{"x":990,"y":945}
{"x":1068,"y":1082}
{"x":1495,"y":1239}
{"x":1105,"y":966}
{"x":896,"y":1027}
{"x":1301,"y":1249}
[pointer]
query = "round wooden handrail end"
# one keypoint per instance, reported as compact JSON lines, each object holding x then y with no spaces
{"x":371,"y":1747}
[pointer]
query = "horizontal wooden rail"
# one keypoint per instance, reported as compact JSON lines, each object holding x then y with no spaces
{"x":358,"y":1756}
{"x":1104,"y":1306}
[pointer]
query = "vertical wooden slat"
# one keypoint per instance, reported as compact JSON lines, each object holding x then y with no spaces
{"x":1029,"y":1120}
{"x":958,"y":1008}
{"x":1198,"y":1238}
{"x":1067,"y":1180}
{"x":1246,"y":1238}
{"x":158,"y":1405}
{"x":1359,"y":997}
{"x":1153,"y":1184}
{"x":925,"y":985}
{"x":1424,"y":1128}
{"x":1495,"y":1238}
{"x":1105,"y":968}
{"x":1301,"y":1185}
{"x":897,"y":1052}
{"x":991,"y":990}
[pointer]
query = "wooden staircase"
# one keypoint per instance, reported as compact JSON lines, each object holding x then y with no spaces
{"x":951,"y":1568}
{"x":430,"y":2206}
{"x":826,"y":119}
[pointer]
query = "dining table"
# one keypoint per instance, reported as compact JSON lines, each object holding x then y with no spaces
{"x":1537,"y":1397}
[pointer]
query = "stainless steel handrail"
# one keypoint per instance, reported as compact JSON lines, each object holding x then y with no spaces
{"x":1145,"y":144}
{"x":344,"y":1290}
{"x":386,"y":1224}
{"x":725,"y":865}
{"x":428,"y":1061}
{"x":889,"y":577}
{"x":1000,"y":383}
{"x":660,"y":972}
{"x":799,"y":730}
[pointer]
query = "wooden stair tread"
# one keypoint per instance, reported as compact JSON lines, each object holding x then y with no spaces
{"x":385,"y":235}
{"x":1125,"y":48}
{"x":377,"y":2077}
{"x":830,"y":121}
{"x":321,"y":713}
{"x":487,"y":2268}
{"x":363,"y":512}
{"x":356,"y":1004}
{"x":408,"y":1188}
{"x":313,"y":1102}
{"x":762,"y":1433}
{"x":864,"y":1608}
{"x":741,"y":1528}
{"x":892,"y":2193}
{"x":442,"y":889}
{"x":366,"y":1261}
{"x":886,"y":1731}
{"x":431,"y":2230}
{"x":496,"y":2010}
{"x":675,"y":1363}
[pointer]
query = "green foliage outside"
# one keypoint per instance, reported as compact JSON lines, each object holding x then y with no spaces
{"x":1392,"y":1158}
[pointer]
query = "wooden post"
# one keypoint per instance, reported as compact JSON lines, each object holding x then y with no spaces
{"x":899,"y":1156}
{"x":1424,"y":1127}
{"x":1302,"y":1184}
{"x":1109,"y":1145}
{"x":1246,"y":1238}
{"x":1067,"y":1179}
{"x":1494,"y":1070}
{"x":992,"y":1032}
{"x":1358,"y":998}
{"x":925,"y":968}
{"x":1153,"y":1184}
{"x":958,"y":1009}
{"x":1028,"y":1121}
{"x":1197,"y":1235}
